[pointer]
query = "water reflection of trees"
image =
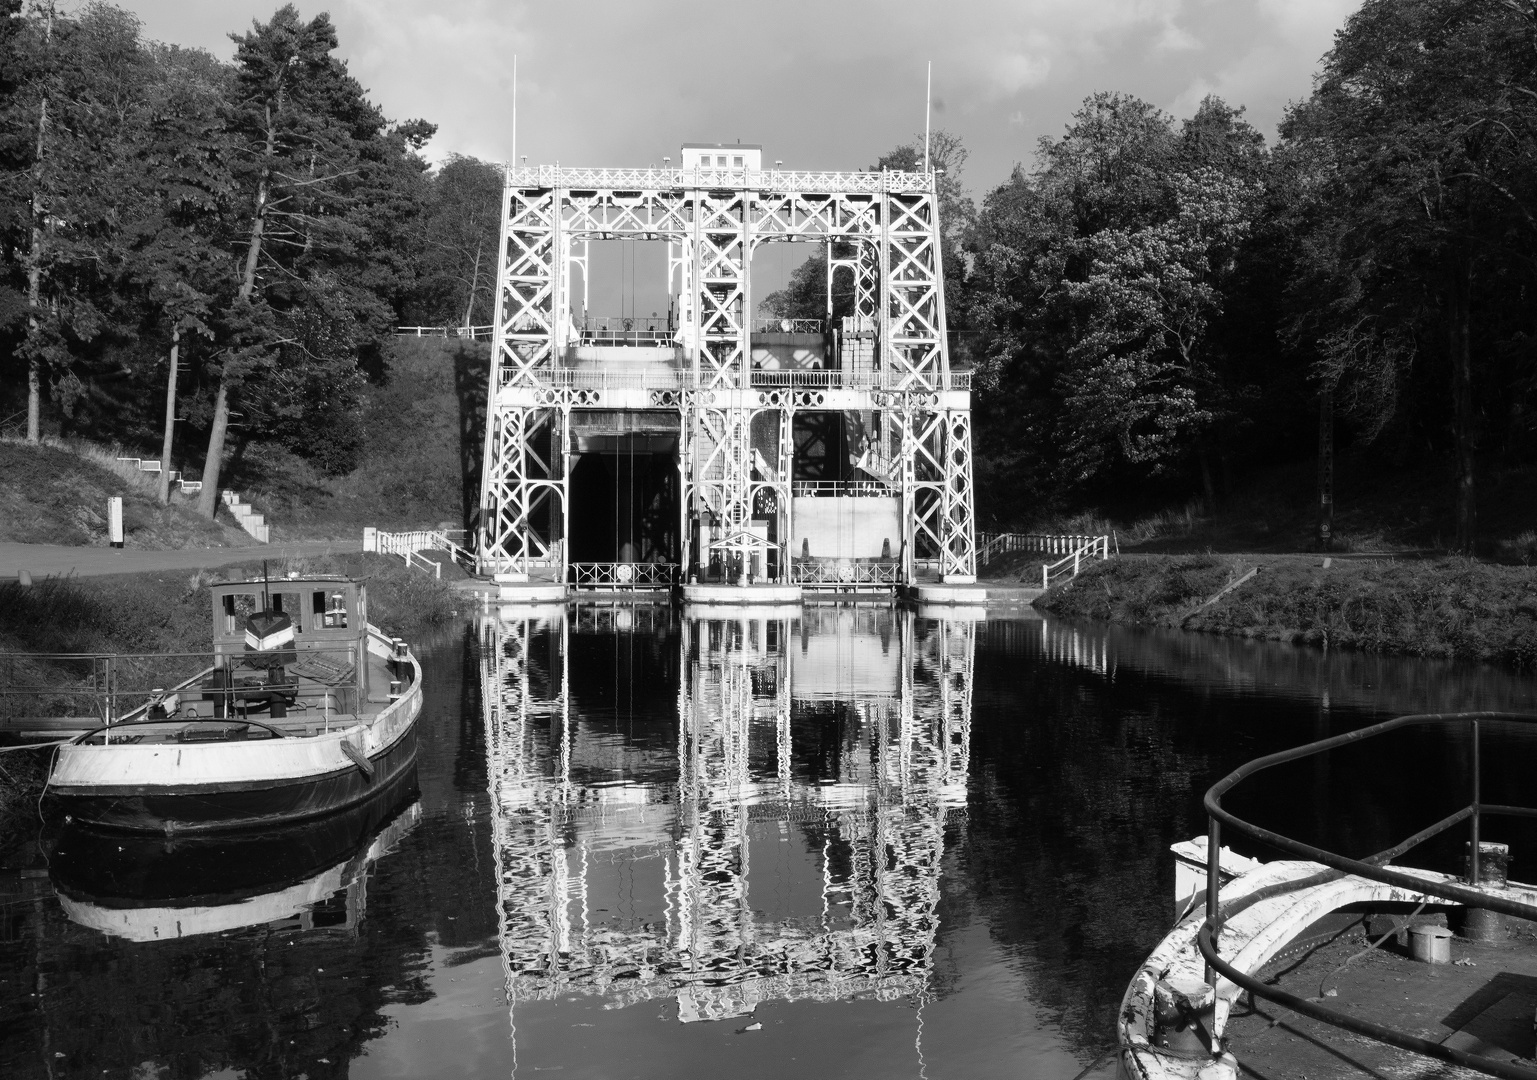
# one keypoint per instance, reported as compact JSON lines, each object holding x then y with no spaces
{"x":847,"y":730}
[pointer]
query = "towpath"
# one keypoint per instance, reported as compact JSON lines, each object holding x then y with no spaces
{"x":41,"y":560}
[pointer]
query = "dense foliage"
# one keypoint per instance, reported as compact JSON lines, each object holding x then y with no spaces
{"x":260,"y":223}
{"x":1158,"y":303}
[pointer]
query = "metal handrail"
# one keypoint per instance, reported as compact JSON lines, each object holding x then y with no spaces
{"x":657,"y":377}
{"x":775,"y":180}
{"x":1373,"y":868}
{"x":624,"y":575}
{"x":227,"y":721}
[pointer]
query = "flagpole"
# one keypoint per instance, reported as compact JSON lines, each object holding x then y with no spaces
{"x":928,"y":97}
{"x":514,"y":110}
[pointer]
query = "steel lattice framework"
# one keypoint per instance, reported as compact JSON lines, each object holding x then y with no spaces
{"x":885,"y":229}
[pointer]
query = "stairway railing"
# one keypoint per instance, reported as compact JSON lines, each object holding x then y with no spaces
{"x":408,"y":546}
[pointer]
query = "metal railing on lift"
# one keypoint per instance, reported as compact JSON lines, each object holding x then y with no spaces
{"x":1373,"y":868}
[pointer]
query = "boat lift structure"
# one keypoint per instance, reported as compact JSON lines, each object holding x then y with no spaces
{"x":883,"y":373}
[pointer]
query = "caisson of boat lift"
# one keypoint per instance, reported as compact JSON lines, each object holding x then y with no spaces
{"x":744,"y":459}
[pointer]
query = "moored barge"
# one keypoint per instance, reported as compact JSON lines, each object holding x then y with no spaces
{"x":307,"y":709}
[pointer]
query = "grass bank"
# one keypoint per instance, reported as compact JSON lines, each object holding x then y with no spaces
{"x":420,"y":465}
{"x":162,"y":613}
{"x":56,"y":493}
{"x":1452,"y":608}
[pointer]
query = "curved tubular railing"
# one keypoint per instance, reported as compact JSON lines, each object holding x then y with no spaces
{"x":228,"y":721}
{"x":1373,"y":868}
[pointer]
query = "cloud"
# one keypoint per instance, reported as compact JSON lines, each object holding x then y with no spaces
{"x":822,"y":85}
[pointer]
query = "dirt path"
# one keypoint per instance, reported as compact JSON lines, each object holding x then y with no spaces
{"x":41,"y":560}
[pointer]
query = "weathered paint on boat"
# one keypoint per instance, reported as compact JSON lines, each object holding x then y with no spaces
{"x":173,"y":788}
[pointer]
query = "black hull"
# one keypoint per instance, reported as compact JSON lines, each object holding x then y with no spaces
{"x":231,"y":808}
{"x":112,"y":869}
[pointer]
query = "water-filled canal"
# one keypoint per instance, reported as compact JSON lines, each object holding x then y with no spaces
{"x":839,"y":842}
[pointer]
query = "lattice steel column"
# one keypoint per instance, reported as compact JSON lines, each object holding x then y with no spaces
{"x":913,"y":352}
{"x":522,"y":472}
{"x":524,"y":497}
{"x":958,"y":540}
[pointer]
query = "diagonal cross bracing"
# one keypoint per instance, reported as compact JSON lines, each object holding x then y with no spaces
{"x":882,"y":227}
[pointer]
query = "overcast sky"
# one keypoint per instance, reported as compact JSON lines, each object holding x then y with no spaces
{"x":828,"y":84}
{"x":820,"y":83}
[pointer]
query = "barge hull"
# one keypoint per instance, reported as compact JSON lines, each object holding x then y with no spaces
{"x":237,"y":805}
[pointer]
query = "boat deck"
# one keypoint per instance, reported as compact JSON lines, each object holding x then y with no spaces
{"x":326,"y":697}
{"x":1482,"y":1002}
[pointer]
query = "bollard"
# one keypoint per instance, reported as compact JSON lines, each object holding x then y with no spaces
{"x":1430,"y":944}
{"x":1481,"y":924}
{"x":1185,"y":1010}
{"x":24,"y":579}
{"x":115,"y":520}
{"x":1493,"y":863}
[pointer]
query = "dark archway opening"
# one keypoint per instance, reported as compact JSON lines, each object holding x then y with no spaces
{"x":624,"y":499}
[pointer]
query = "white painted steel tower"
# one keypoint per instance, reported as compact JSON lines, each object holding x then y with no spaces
{"x":794,"y":452}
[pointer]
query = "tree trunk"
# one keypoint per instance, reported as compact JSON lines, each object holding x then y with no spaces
{"x":170,"y":418}
{"x":469,"y":308}
{"x":208,"y":497}
{"x":35,"y":275}
{"x":1203,"y":456}
{"x":1326,"y":469}
{"x":1459,"y":319}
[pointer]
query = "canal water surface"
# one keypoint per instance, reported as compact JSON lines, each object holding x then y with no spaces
{"x":838,"y":842}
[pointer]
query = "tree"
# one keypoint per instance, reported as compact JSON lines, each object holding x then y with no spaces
{"x":87,"y":90}
{"x":1421,"y":209}
{"x":330,"y":185}
{"x":1098,"y":281}
{"x":1139,"y":381}
{"x":457,"y":245}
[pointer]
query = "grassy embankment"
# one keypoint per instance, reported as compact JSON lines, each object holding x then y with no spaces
{"x":420,"y":465}
{"x":1453,"y":608}
{"x":165,"y":613}
{"x":57,"y":493}
{"x":420,"y":468}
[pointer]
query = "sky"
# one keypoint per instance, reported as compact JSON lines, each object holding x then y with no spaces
{"x":823,"y":84}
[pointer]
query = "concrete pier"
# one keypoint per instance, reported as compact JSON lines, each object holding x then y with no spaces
{"x":738,"y":595}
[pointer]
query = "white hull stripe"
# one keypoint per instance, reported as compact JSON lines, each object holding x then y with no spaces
{"x":148,"y":765}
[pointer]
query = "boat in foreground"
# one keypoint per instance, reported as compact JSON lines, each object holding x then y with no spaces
{"x":306,"y":710}
{"x":1293,"y":933}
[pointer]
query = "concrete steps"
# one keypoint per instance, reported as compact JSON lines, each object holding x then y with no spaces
{"x":247,"y":518}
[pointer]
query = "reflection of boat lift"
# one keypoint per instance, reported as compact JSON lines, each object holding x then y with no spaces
{"x":737,"y":677}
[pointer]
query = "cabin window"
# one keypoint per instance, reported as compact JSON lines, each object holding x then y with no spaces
{"x":237,"y":608}
{"x":333,"y":609}
{"x":291,"y":605}
{"x":736,"y":162}
{"x":721,"y":161}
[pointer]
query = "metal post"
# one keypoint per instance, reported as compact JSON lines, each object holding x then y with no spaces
{"x":1213,"y":875}
{"x":1473,"y":874}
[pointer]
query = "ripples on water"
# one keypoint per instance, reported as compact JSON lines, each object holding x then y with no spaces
{"x":832,"y":842}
